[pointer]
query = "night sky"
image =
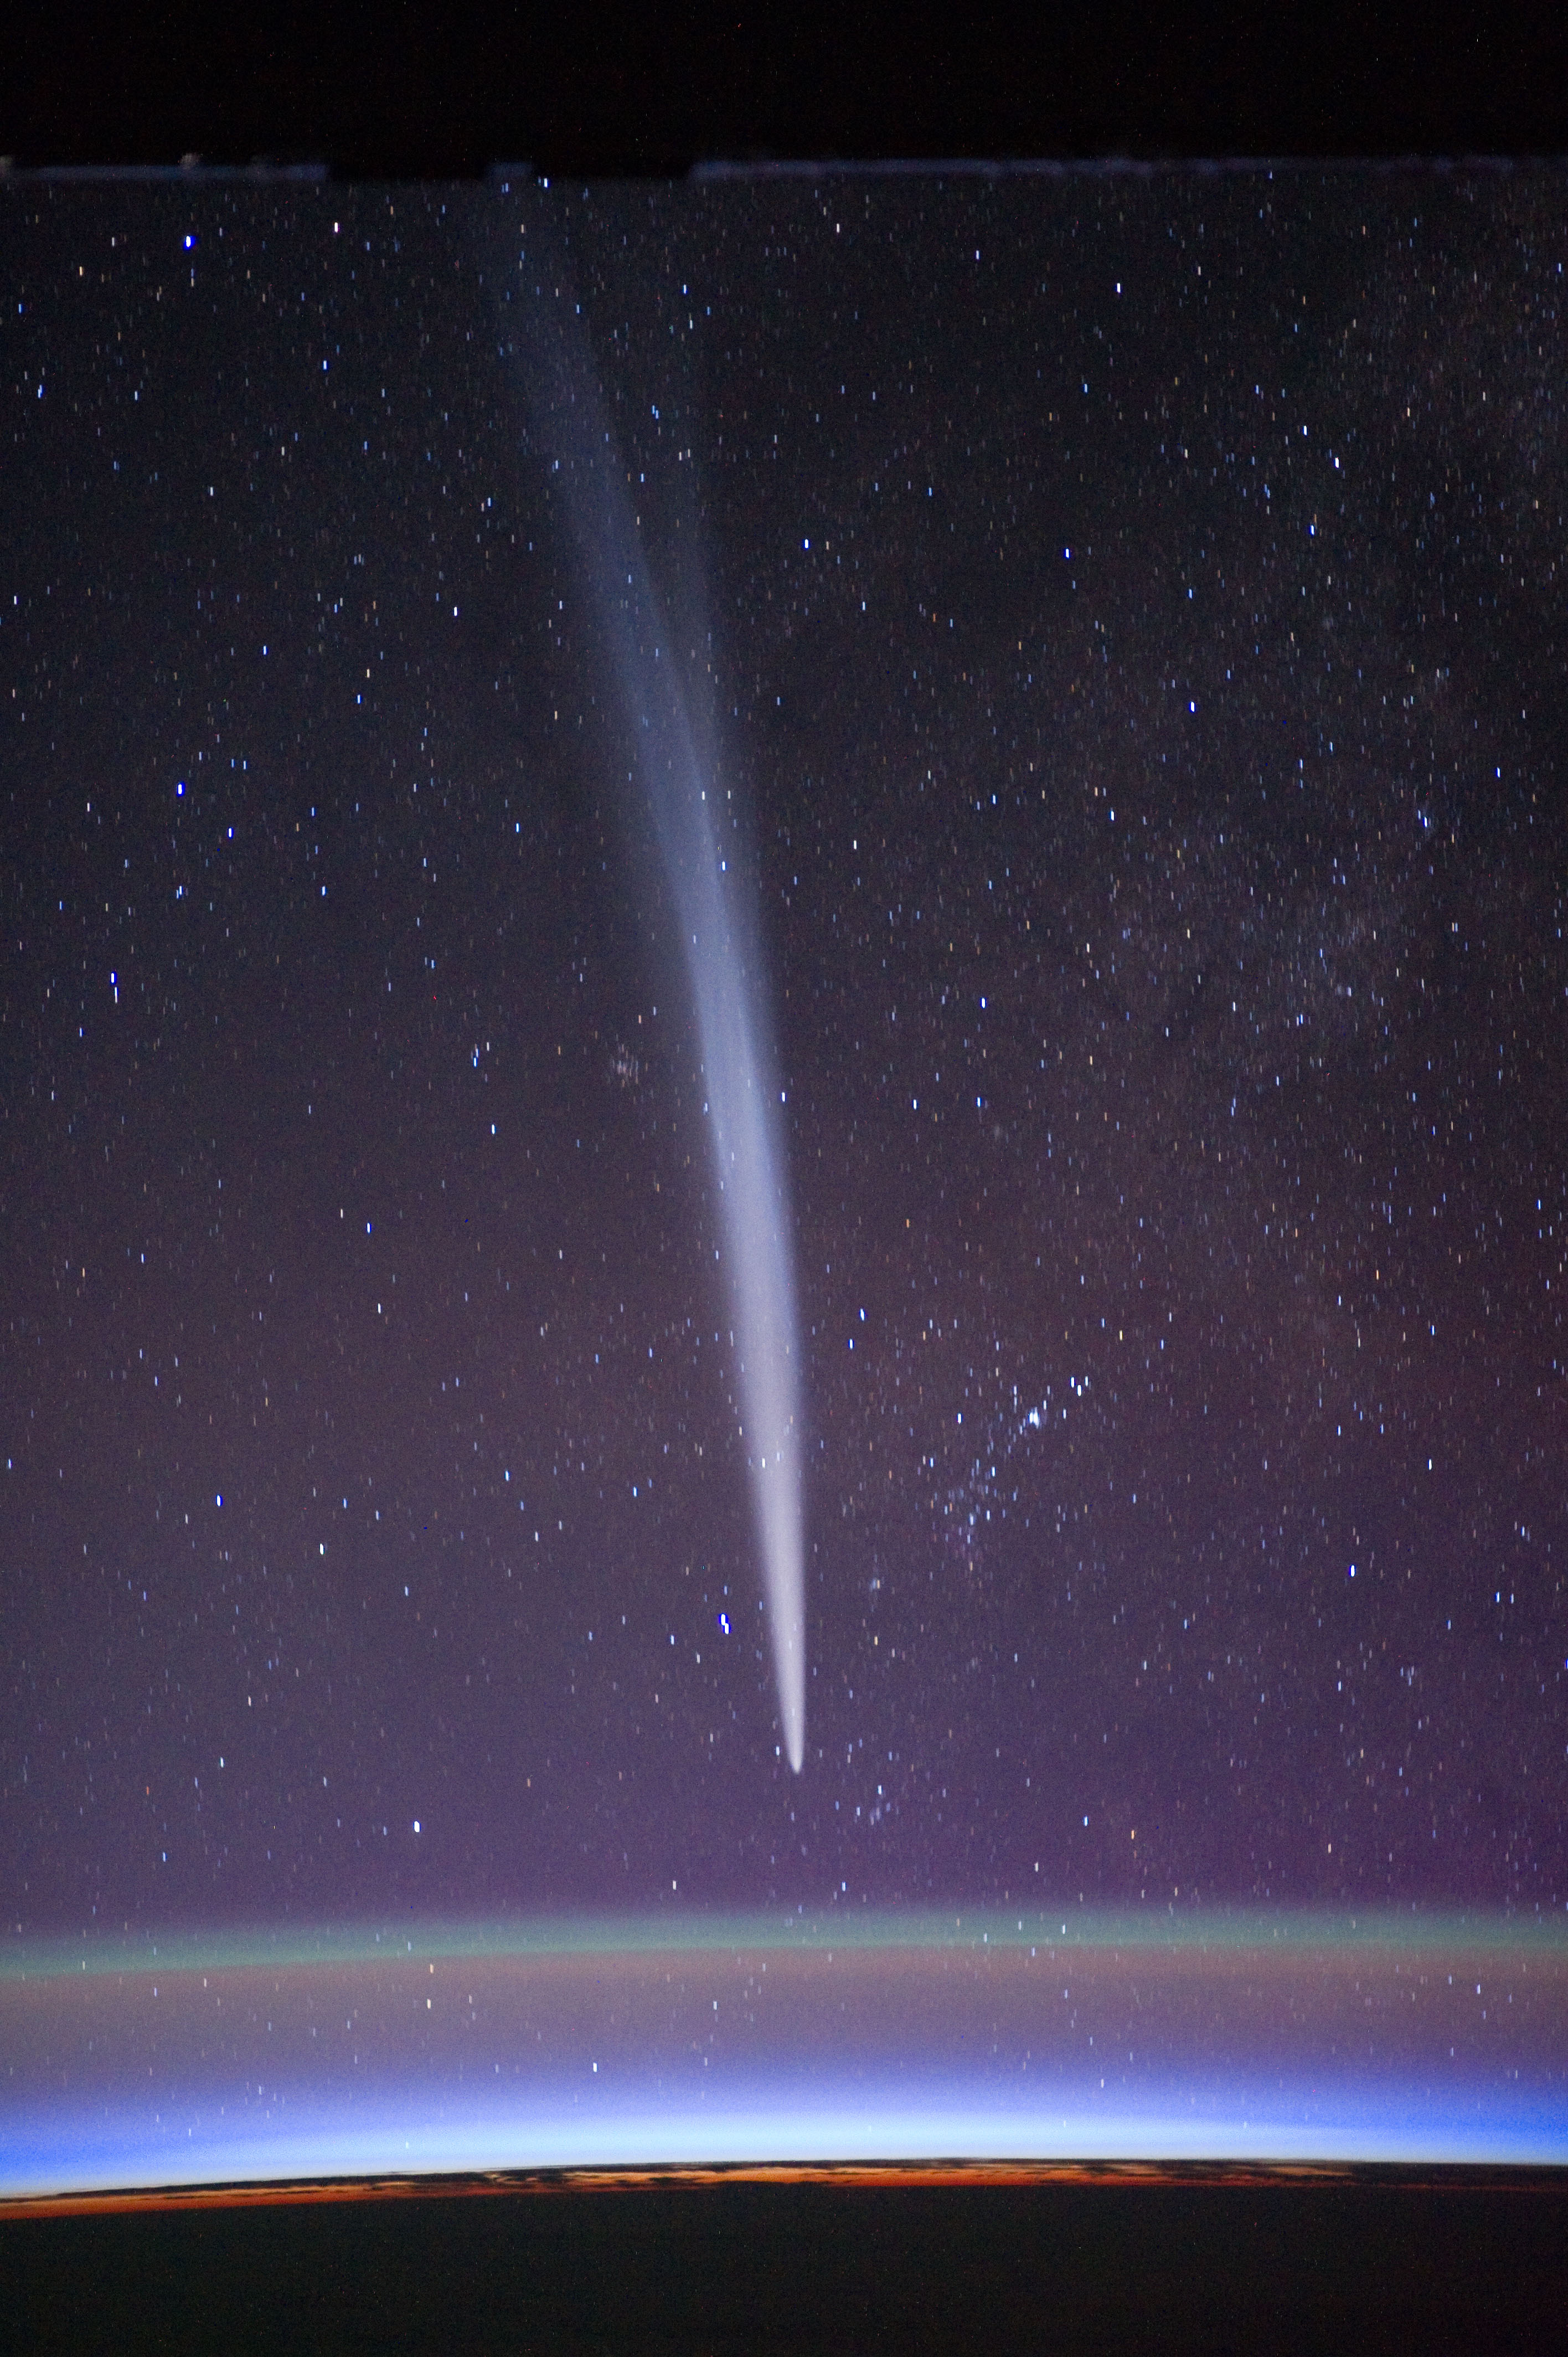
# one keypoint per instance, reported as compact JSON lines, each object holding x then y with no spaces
{"x":1134,"y":627}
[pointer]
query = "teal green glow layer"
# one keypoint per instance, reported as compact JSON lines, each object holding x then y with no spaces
{"x":1191,"y":1931}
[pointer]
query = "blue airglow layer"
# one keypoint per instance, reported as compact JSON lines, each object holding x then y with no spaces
{"x":290,"y":2137}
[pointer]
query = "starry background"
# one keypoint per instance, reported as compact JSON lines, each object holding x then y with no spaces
{"x":1134,"y":616}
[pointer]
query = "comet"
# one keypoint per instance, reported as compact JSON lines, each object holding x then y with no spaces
{"x":700,"y":846}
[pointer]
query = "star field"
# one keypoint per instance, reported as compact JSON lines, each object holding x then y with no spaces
{"x":1125,"y":620}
